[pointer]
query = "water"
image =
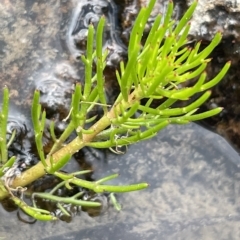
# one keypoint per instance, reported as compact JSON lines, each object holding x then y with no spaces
{"x":193,"y":174}
{"x":194,"y":193}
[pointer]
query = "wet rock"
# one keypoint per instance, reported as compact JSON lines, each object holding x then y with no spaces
{"x":223,"y":16}
{"x":19,"y":130}
{"x":29,"y":41}
{"x":56,"y":87}
{"x":213,"y":16}
{"x":194,"y":193}
{"x":89,"y":12}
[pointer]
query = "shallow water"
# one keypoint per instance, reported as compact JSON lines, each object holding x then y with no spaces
{"x":31,"y":36}
{"x":194,"y":174}
{"x":194,"y":193}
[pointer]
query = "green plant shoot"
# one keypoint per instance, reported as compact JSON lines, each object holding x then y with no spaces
{"x":158,"y":69}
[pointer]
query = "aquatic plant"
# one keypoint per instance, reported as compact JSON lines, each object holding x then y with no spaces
{"x":161,"y":68}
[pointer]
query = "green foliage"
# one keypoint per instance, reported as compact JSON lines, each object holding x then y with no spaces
{"x":3,"y":126}
{"x":161,"y":68}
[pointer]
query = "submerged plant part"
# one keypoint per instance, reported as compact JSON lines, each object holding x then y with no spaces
{"x":157,"y":69}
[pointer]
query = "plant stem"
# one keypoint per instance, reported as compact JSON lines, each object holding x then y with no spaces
{"x":38,"y":170}
{"x":78,"y":143}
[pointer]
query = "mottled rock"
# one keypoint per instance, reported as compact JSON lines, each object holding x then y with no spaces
{"x":213,"y":16}
{"x":223,"y":16}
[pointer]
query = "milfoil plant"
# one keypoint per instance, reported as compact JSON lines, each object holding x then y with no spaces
{"x":158,"y":68}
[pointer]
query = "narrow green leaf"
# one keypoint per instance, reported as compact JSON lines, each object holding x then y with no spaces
{"x":125,"y":79}
{"x":152,"y":32}
{"x":134,"y":36}
{"x":89,"y":61}
{"x":75,"y":115}
{"x":108,"y":178}
{"x":100,"y":64}
{"x":218,"y":78}
{"x":168,"y":15}
{"x":205,"y":53}
{"x":36,"y":110}
{"x":55,"y":166}
{"x":203,"y":115}
{"x":125,"y":115}
{"x":186,"y":17}
{"x":194,"y":52}
{"x":182,"y":39}
{"x":183,"y":57}
{"x":3,"y":126}
{"x":7,"y":165}
{"x":188,"y":92}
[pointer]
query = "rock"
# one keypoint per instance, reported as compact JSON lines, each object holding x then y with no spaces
{"x":85,"y":13}
{"x":213,"y":16}
{"x":223,"y":16}
{"x":194,"y":193}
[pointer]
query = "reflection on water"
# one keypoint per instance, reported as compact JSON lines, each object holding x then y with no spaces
{"x":86,"y":12}
{"x":31,"y":35}
{"x":194,"y":193}
{"x":193,"y":174}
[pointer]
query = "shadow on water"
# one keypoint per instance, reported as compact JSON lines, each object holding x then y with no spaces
{"x":193,"y":174}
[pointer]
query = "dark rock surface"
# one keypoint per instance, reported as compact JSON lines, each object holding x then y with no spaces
{"x":224,"y":16}
{"x":194,"y":193}
{"x":209,"y":18}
